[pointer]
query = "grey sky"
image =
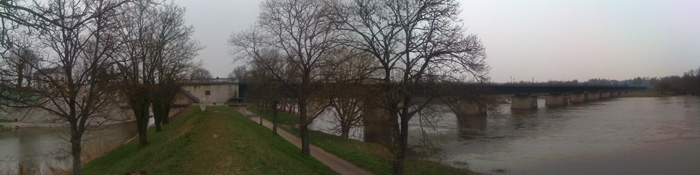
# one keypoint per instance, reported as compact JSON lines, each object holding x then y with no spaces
{"x":554,"y":39}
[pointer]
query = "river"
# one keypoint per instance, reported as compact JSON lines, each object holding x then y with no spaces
{"x":613,"y":136}
{"x":47,"y":150}
{"x":655,"y":135}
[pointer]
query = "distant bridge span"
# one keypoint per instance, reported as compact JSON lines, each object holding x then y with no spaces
{"x":524,"y":95}
{"x":502,"y":89}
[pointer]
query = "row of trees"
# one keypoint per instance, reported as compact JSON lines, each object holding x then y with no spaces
{"x":79,"y":59}
{"x":400,"y":48}
{"x":688,"y":83}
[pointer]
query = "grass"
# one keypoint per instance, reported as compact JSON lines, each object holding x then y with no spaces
{"x":371,"y":156}
{"x":218,"y":141}
{"x":5,"y":121}
{"x":282,"y":117}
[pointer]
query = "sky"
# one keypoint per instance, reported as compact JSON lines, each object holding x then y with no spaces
{"x":524,"y":40}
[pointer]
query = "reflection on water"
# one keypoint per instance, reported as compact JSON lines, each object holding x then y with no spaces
{"x":470,"y":126}
{"x":616,"y":136}
{"x":47,"y":150}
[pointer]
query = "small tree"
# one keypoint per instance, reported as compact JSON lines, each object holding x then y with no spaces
{"x":347,"y":81}
{"x":302,"y":34}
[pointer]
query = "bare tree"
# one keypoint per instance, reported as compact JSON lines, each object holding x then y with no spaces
{"x":173,"y":56}
{"x":17,"y":65}
{"x":418,"y":44}
{"x":301,"y":33}
{"x":264,"y":90}
{"x":157,"y":51}
{"x":135,"y":61}
{"x":200,"y":73}
{"x":79,"y":37}
{"x":347,"y":81}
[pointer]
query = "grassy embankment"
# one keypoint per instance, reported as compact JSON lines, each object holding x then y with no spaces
{"x":370,"y":156}
{"x":218,"y":141}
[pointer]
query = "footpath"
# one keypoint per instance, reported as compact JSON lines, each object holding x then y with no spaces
{"x":334,"y":162}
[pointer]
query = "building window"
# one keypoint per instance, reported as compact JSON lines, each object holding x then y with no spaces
{"x":207,"y":92}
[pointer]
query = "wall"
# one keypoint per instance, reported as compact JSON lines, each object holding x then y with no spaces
{"x":220,"y":93}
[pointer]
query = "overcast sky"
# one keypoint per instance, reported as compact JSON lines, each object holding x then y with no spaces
{"x":552,"y":39}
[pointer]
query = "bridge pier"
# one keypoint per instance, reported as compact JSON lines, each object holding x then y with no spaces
{"x":578,"y":97}
{"x":556,"y":100}
{"x":605,"y":95}
{"x":593,"y":96}
{"x":520,"y":102}
{"x":470,"y":108}
{"x":377,"y":126}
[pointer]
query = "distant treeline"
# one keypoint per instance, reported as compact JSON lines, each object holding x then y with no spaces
{"x":689,"y":83}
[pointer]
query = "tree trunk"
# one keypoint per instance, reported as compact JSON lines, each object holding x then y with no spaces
{"x":141,"y":114}
{"x":76,"y":150}
{"x":403,"y":144}
{"x":142,"y":136}
{"x":396,"y":146}
{"x":274,"y":117}
{"x":166,"y":114}
{"x":158,"y":115}
{"x":304,"y":129}
{"x":345,"y":131}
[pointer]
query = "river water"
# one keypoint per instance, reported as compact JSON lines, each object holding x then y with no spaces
{"x":47,"y":150}
{"x":614,"y":136}
{"x":656,"y":135}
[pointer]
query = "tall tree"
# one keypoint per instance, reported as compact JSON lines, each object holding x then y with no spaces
{"x":157,"y":51}
{"x":79,"y":37}
{"x":301,"y":32}
{"x":174,"y":51}
{"x":416,"y":43}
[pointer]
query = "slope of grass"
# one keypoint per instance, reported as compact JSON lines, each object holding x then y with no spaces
{"x":371,"y":156}
{"x":219,"y":141}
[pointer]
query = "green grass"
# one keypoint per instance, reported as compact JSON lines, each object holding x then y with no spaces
{"x":218,"y":141}
{"x":5,"y":121}
{"x":371,"y":156}
{"x":282,"y":117}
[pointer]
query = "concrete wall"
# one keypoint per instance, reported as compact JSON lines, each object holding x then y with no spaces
{"x":220,"y":93}
{"x":470,"y":108}
{"x":556,"y":100}
{"x":578,"y":98}
{"x":523,"y":102}
{"x":377,"y":126}
{"x":593,"y":96}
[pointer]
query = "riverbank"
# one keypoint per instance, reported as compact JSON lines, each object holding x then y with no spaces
{"x":370,"y":156}
{"x":218,"y":141}
{"x":650,"y":94}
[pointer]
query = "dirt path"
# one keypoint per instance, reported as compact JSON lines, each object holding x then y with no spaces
{"x":334,"y":162}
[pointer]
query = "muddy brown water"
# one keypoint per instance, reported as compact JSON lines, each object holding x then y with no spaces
{"x":654,"y":135}
{"x":47,"y":150}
